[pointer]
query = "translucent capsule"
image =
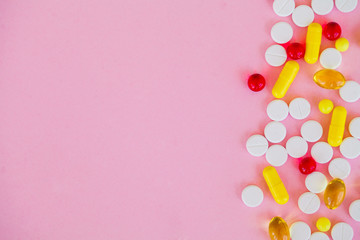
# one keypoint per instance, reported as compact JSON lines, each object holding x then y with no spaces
{"x":295,"y":51}
{"x":276,"y":186}
{"x":307,"y":165}
{"x":334,"y":193}
{"x":329,"y":79}
{"x":332,"y":31}
{"x":256,"y":82}
{"x":337,"y":126}
{"x":278,"y":229}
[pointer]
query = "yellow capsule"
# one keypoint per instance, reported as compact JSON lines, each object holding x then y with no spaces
{"x":326,"y":106}
{"x":278,"y":229}
{"x":276,"y":186}
{"x":329,"y":79}
{"x":313,"y":42}
{"x":337,"y":126}
{"x":286,"y":77}
{"x":334,"y":193}
{"x":342,"y":44}
{"x":323,"y":224}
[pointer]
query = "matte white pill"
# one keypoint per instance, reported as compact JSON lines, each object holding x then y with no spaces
{"x":322,"y":7}
{"x":350,"y":148}
{"x":309,"y":203}
{"x":252,"y":196}
{"x":342,"y":231}
{"x":300,"y":231}
{"x":339,"y":168}
{"x":354,"y":127}
{"x":281,"y":32}
{"x":346,"y":6}
{"x":322,"y":152}
{"x":276,"y":155}
{"x":283,"y":8}
{"x":350,"y":92}
{"x":311,"y":131}
{"x":275,"y":132}
{"x":330,"y":58}
{"x":257,"y":145}
{"x":303,"y":15}
{"x":296,"y":147}
{"x":277,"y":110}
{"x":354,"y":210}
{"x":319,"y":236}
{"x":275,"y":55}
{"x":316,"y":182}
{"x":299,"y":108}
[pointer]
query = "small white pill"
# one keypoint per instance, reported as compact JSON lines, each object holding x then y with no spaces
{"x":309,"y":203}
{"x":275,"y":55}
{"x":342,"y":231}
{"x":296,"y":147}
{"x":283,"y":8}
{"x":316,"y":182}
{"x":350,"y":92}
{"x":350,"y":148}
{"x":346,"y":6}
{"x":303,"y":15}
{"x":330,"y":58}
{"x":354,"y":210}
{"x":299,"y":108}
{"x":275,"y":132}
{"x":354,"y":127}
{"x":322,"y":7}
{"x":311,"y":131}
{"x":277,"y":110}
{"x":339,"y":168}
{"x":252,"y":196}
{"x":276,"y":155}
{"x":319,"y":236}
{"x":257,"y":145}
{"x":322,"y":152}
{"x":300,"y":231}
{"x":281,"y":32}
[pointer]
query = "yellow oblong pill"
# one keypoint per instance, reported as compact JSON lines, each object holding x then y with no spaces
{"x":276,"y":186}
{"x":286,"y":77}
{"x":337,"y":126}
{"x":313,"y":42}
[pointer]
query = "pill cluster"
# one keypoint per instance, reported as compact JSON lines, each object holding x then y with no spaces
{"x":333,"y":192}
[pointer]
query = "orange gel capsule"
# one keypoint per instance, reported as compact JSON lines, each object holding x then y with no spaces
{"x":334,"y":193}
{"x":329,"y":79}
{"x":278,"y":229}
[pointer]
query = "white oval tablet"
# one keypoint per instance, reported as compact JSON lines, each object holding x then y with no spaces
{"x":252,"y":196}
{"x":322,"y":7}
{"x":339,"y":168}
{"x":275,"y":55}
{"x":275,"y":132}
{"x":257,"y":145}
{"x":322,"y":152}
{"x":311,"y":131}
{"x":354,"y":127}
{"x":281,"y":32}
{"x":276,"y":155}
{"x":350,"y":92}
{"x":354,"y":210}
{"x":316,"y":182}
{"x":299,"y":108}
{"x":319,"y":236}
{"x":300,"y":231}
{"x":303,"y":15}
{"x":346,"y":6}
{"x":342,"y":231}
{"x":277,"y":110}
{"x":283,"y":8}
{"x":296,"y":147}
{"x":330,"y":58}
{"x":350,"y":148}
{"x":309,"y":203}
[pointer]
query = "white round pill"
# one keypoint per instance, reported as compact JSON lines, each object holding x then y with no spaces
{"x":354,"y":127}
{"x":309,"y":203}
{"x":350,"y":148}
{"x":322,"y":152}
{"x":276,"y":155}
{"x":342,"y":231}
{"x":322,"y":7}
{"x":257,"y":145}
{"x":319,"y":236}
{"x":350,"y":92}
{"x":311,"y":131}
{"x":300,"y":231}
{"x":252,"y":196}
{"x":296,"y":147}
{"x":299,"y":108}
{"x":277,"y":110}
{"x":275,"y":132}
{"x":281,"y":32}
{"x":283,"y":8}
{"x":316,"y":182}
{"x":330,"y":58}
{"x":275,"y":55}
{"x":346,"y":6}
{"x":303,"y":15}
{"x":339,"y":168}
{"x":354,"y":210}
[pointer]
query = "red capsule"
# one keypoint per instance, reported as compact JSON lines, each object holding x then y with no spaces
{"x":256,"y":82}
{"x":307,"y":165}
{"x":332,"y":31}
{"x":295,"y":51}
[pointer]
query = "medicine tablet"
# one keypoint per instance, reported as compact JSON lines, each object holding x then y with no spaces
{"x":350,"y":148}
{"x":342,"y":44}
{"x":342,"y":231}
{"x":299,"y":108}
{"x":277,"y":110}
{"x":323,"y":224}
{"x":346,"y":6}
{"x":322,"y":7}
{"x":283,"y":8}
{"x":326,"y":106}
{"x":322,"y":152}
{"x":257,"y":145}
{"x":300,"y":231}
{"x":319,"y":236}
{"x":303,"y":15}
{"x":296,"y":147}
{"x":330,"y":58}
{"x":275,"y":55}
{"x":276,"y":155}
{"x":354,"y":127}
{"x":339,"y":168}
{"x":252,"y":196}
{"x":275,"y":132}
{"x":316,"y":182}
{"x":354,"y":210}
{"x":309,"y":203}
{"x":281,"y":32}
{"x":350,"y":92}
{"x":311,"y":131}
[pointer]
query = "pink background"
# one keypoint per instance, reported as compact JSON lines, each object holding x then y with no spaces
{"x":127,"y":119}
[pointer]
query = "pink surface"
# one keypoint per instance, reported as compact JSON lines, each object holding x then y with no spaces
{"x":128,"y":119}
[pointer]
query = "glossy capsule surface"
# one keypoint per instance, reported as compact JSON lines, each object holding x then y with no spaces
{"x":329,"y":79}
{"x":286,"y":77}
{"x":334,"y":193}
{"x":276,"y":186}
{"x":278,"y":229}
{"x":337,"y":126}
{"x":313,"y":42}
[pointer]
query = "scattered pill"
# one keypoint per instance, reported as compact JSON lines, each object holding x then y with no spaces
{"x":300,"y":231}
{"x":257,"y":145}
{"x":276,"y":155}
{"x":281,"y":32}
{"x":277,"y":110}
{"x":299,"y":108}
{"x":346,"y":6}
{"x":283,"y":8}
{"x":337,"y":126}
{"x":275,"y":55}
{"x":286,"y":77}
{"x":295,"y":51}
{"x":334,"y":193}
{"x":307,"y":165}
{"x":329,"y":79}
{"x":276,"y":186}
{"x":275,"y":132}
{"x":339,"y":168}
{"x":342,"y":231}
{"x":330,"y":58}
{"x":278,"y":229}
{"x":252,"y":196}
{"x":326,"y":106}
{"x":342,"y":44}
{"x":350,"y":148}
{"x":354,"y":210}
{"x":313,"y":42}
{"x":322,"y":152}
{"x":311,"y":131}
{"x":323,"y":224}
{"x":322,"y":7}
{"x":354,"y":127}
{"x":350,"y":92}
{"x":332,"y":31}
{"x":319,"y":236}
{"x":296,"y":147}
{"x":309,"y":203}
{"x":303,"y":15}
{"x":316,"y":182}
{"x":256,"y":82}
